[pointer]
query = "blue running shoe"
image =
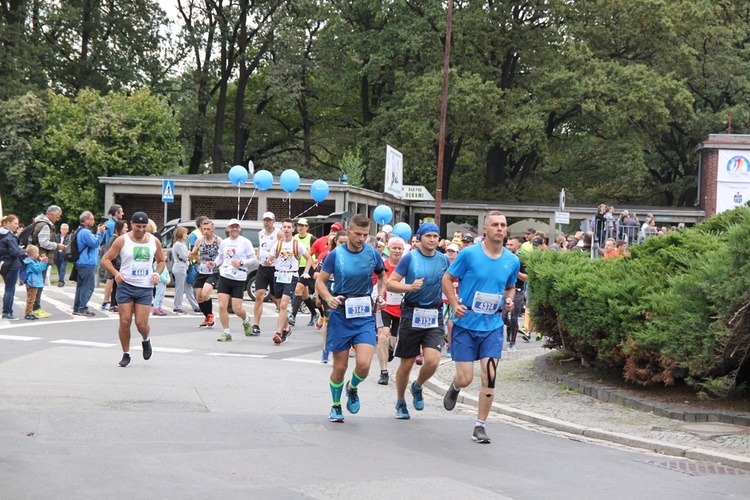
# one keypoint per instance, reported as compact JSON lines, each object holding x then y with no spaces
{"x":336,"y":414}
{"x":401,"y":411}
{"x":418,"y":399}
{"x":352,"y":399}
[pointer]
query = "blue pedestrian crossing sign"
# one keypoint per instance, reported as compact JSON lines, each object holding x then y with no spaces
{"x":167,"y":191}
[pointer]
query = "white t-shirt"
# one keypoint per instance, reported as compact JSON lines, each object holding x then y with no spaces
{"x":286,"y":260}
{"x":267,"y":242}
{"x":230,"y":249}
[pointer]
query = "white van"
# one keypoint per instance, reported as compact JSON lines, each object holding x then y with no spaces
{"x":249,"y":229}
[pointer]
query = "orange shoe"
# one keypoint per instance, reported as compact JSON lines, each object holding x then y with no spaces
{"x":208,"y":322}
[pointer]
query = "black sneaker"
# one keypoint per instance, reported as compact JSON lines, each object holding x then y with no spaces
{"x":526,"y":336}
{"x":256,"y":330}
{"x":383,"y":378}
{"x":450,"y":398}
{"x":147,"y":351}
{"x":292,"y":319}
{"x":126,"y":359}
{"x":390,"y":353}
{"x":285,"y":335}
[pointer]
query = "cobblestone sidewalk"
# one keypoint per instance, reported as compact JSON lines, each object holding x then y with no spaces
{"x":524,"y":394}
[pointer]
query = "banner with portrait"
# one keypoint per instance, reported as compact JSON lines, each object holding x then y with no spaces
{"x":732,"y":179}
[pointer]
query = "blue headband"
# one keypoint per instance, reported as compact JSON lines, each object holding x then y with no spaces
{"x":428,"y":227}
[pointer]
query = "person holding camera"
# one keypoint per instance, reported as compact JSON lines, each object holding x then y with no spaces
{"x":88,"y":246}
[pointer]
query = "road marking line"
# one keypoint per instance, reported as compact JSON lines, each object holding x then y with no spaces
{"x":17,"y":337}
{"x":164,"y":349}
{"x":81,"y":342}
{"x":301,"y":360}
{"x":232,"y":355}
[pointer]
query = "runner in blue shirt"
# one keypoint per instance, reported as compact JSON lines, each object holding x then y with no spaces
{"x":486,"y":276}
{"x":351,"y":320}
{"x":421,"y":314}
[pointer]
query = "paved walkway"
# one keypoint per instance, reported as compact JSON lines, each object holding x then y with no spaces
{"x":524,"y":394}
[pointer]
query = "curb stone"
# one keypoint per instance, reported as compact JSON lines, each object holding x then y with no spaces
{"x":615,"y":396}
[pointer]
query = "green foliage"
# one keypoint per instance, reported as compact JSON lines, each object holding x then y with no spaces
{"x":351,"y":165}
{"x":96,"y":136}
{"x":22,"y":119}
{"x":664,"y":314}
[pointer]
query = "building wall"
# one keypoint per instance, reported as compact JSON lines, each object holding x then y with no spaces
{"x":218,"y":207}
{"x":152,"y":205}
{"x":708,"y":180}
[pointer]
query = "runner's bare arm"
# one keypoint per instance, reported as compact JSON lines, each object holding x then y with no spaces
{"x":113,"y":252}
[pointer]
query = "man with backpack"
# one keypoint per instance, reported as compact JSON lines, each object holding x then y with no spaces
{"x":42,"y":234}
{"x":285,"y":257}
{"x":115,"y":213}
{"x":87,"y":246}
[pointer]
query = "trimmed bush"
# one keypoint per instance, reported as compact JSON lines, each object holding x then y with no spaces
{"x":675,"y":311}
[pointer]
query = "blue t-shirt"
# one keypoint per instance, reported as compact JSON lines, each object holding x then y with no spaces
{"x":109,"y":232}
{"x":415,"y":265}
{"x":476,"y":272}
{"x":353,"y":271}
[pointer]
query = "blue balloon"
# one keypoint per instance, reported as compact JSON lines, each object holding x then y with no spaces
{"x":289,"y":180}
{"x":238,"y":175}
{"x":402,"y":230}
{"x":319,"y":190}
{"x":382,"y":214}
{"x":263,"y":179}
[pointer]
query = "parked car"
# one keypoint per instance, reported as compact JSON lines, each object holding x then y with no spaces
{"x":249,"y":229}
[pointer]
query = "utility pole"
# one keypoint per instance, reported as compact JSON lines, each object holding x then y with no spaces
{"x":443,"y":115}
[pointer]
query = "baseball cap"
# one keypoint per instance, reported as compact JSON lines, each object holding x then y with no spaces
{"x":139,"y":218}
{"x":233,"y":222}
{"x":530,"y":230}
{"x":387,"y":228}
{"x":427,"y":227}
{"x":269,"y":215}
{"x":302,"y":222}
{"x":336,"y":226}
{"x":537,"y":241}
{"x":456,"y":241}
{"x":453,"y":247}
{"x":468,"y":237}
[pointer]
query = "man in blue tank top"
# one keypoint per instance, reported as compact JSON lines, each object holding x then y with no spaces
{"x":486,"y":276}
{"x":421,"y":326}
{"x":351,"y":320}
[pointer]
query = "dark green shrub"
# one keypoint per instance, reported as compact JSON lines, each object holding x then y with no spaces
{"x":677,"y":309}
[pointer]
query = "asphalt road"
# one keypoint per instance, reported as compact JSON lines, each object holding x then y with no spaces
{"x":248,"y":419}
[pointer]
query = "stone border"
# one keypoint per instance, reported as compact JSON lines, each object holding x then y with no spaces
{"x":615,"y":396}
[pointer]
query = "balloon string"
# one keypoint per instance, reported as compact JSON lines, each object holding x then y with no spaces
{"x":248,"y":204}
{"x":303,"y":213}
{"x":238,"y":202}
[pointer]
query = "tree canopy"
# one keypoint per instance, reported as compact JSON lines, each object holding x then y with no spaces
{"x":608,"y":98}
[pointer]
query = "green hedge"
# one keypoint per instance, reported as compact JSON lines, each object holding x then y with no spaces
{"x":675,"y":311}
